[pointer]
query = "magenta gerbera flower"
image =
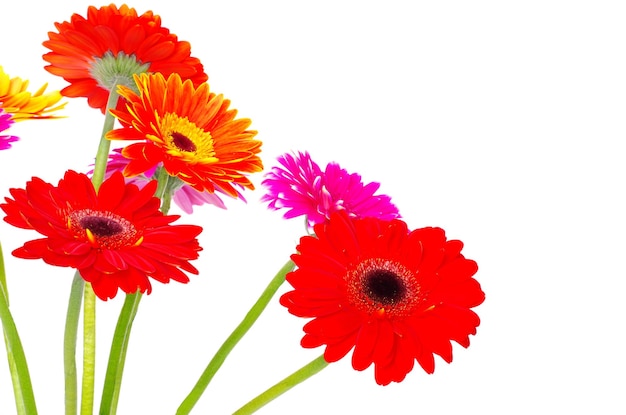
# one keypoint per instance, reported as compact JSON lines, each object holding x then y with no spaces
{"x":300,"y":186}
{"x":5,"y":123}
{"x":185,"y":197}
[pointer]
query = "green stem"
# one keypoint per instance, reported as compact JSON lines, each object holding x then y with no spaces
{"x":163,"y":191}
{"x":3,"y":278}
{"x":117,"y":356}
{"x":283,"y":386}
{"x":22,"y":387}
{"x":102,"y":155}
{"x":232,"y":340}
{"x":69,"y":344}
{"x":89,"y":350}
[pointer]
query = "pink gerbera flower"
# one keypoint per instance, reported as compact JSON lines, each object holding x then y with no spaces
{"x":300,"y":186}
{"x":5,"y":123}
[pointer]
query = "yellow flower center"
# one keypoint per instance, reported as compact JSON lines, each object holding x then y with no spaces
{"x":185,"y":140}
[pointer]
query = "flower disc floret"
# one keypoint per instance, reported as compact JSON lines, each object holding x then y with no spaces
{"x":383,"y":287}
{"x":103,"y":229}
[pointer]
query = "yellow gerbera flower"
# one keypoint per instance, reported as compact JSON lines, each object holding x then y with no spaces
{"x":21,"y":104}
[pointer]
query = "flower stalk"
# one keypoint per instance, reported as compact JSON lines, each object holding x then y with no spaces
{"x":117,"y":356}
{"x":299,"y":376}
{"x":20,"y":376}
{"x":89,"y":350}
{"x":232,"y":340}
{"x":69,"y":344}
{"x":102,"y":155}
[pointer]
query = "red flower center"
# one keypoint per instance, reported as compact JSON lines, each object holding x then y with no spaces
{"x":103,"y":229}
{"x":182,"y":142}
{"x":383,"y":287}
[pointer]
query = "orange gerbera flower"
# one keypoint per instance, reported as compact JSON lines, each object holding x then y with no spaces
{"x":189,"y":131}
{"x":96,"y":53}
{"x":21,"y":104}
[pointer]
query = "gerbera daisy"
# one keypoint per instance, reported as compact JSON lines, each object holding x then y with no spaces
{"x":105,"y":49}
{"x":190,"y":131}
{"x":301,"y":187}
{"x":116,"y":238}
{"x":393,"y":295}
{"x":21,"y":104}
{"x":185,"y":196}
{"x":5,"y":123}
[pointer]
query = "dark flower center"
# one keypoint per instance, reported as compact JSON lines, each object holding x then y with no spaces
{"x":103,"y":229}
{"x":185,"y":140}
{"x":182,"y":142}
{"x":384,"y":286}
{"x":101,"y":226}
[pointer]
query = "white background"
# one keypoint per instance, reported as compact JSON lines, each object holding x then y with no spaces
{"x":501,"y":122}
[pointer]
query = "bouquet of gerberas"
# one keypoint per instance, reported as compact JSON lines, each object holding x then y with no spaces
{"x":364,"y":280}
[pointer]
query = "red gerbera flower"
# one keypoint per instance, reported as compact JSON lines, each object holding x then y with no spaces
{"x":116,"y":238}
{"x":105,"y":49}
{"x":394,"y":296}
{"x":190,"y":131}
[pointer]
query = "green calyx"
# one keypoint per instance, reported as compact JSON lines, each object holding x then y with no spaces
{"x":111,"y":71}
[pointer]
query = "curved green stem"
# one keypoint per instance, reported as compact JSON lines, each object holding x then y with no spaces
{"x":69,"y":343}
{"x":117,"y":356}
{"x":232,"y":340}
{"x":299,"y":376}
{"x":20,"y":376}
